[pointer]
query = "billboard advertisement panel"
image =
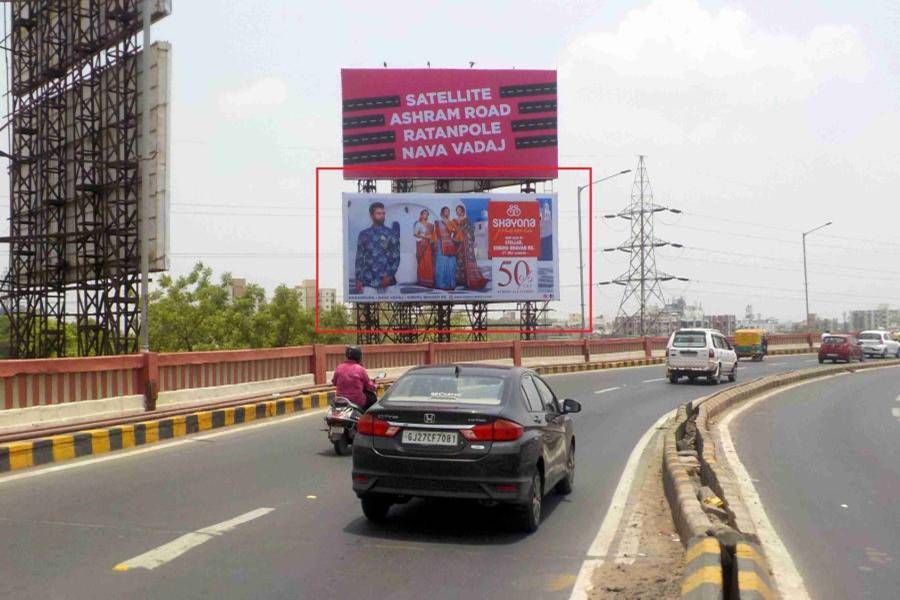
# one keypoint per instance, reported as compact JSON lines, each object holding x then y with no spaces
{"x":416,"y":123}
{"x":450,"y":247}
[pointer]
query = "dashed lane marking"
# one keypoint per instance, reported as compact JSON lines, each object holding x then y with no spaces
{"x":611,"y":389}
{"x":169,"y":552}
{"x":896,"y":412}
{"x":652,"y":380}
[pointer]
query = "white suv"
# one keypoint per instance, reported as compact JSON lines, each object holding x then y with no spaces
{"x":879,"y":343}
{"x":700,"y":353}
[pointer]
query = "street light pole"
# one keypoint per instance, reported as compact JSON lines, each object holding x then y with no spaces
{"x":805,"y":278}
{"x":581,"y":243}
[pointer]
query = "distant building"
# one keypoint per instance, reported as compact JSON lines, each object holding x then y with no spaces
{"x":724,"y":323}
{"x":307,"y":293}
{"x":237,"y":289}
{"x":657,"y":323}
{"x":882,"y":317}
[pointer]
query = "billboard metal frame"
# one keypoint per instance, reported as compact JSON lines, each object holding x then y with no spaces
{"x":73,"y":108}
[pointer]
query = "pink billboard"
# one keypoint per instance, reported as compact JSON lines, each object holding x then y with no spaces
{"x":449,"y":123}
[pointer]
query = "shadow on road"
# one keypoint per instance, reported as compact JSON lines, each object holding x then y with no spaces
{"x":451,"y":521}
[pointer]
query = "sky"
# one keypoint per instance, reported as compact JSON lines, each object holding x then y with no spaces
{"x":759,"y":120}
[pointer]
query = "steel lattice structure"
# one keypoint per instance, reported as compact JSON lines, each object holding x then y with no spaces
{"x":642,"y":281}
{"x":72,"y":121}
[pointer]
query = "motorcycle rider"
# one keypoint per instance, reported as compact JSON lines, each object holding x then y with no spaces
{"x":352,"y":381}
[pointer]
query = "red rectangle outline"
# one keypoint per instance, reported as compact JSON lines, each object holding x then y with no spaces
{"x":502,"y":330}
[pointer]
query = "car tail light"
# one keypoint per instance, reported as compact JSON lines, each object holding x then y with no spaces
{"x":506,"y":487}
{"x":712,"y":353}
{"x":369,"y":425}
{"x":500,"y":430}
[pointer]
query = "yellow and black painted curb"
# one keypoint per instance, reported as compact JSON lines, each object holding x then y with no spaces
{"x":702,"y":579}
{"x":58,"y":448}
{"x":783,"y":351}
{"x":596,"y":366}
{"x":753,"y":579}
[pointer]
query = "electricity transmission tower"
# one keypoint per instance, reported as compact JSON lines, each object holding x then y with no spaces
{"x":642,"y":279}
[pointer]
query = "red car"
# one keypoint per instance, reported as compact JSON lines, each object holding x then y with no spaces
{"x":840,"y":347}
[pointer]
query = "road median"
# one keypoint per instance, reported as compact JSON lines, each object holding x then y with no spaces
{"x":704,"y":496}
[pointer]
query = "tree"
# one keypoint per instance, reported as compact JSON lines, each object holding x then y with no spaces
{"x":189,"y":313}
{"x":291,"y":325}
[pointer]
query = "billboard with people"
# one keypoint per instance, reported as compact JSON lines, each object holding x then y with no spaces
{"x":450,"y":247}
{"x":449,"y":123}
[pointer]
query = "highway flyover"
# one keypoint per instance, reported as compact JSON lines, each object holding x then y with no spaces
{"x":266,"y":510}
{"x":824,"y":458}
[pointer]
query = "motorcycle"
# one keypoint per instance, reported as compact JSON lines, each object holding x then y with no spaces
{"x":341,"y":419}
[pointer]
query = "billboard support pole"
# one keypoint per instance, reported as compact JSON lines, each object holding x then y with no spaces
{"x":478,"y":321}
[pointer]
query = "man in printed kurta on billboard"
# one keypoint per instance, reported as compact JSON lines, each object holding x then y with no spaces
{"x":377,"y":253}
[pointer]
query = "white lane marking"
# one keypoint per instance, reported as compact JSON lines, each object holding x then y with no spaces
{"x":600,"y":546}
{"x":603,"y":391}
{"x":169,"y":552}
{"x":657,"y":379}
{"x":778,"y":364}
{"x":118,"y":455}
{"x":896,"y":412}
{"x":787,"y":579}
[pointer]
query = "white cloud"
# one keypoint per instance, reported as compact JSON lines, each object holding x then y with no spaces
{"x":673,"y":68}
{"x":259,"y":95}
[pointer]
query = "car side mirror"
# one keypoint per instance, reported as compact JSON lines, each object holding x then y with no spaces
{"x":571,"y":406}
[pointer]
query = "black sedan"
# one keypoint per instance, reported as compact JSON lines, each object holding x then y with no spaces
{"x":488,"y":433}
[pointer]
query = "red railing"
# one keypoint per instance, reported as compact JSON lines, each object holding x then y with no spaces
{"x":28,"y":383}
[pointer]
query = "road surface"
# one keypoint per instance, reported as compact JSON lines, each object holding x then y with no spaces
{"x":825,"y":460}
{"x":63,"y":531}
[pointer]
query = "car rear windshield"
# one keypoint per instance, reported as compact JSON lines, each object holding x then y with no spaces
{"x":833,"y":339}
{"x":446,"y":387}
{"x":690,"y":339}
{"x":870,"y":336}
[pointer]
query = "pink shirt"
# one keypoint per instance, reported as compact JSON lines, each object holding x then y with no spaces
{"x":351,"y":380}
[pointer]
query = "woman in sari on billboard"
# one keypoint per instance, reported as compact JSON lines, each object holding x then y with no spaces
{"x":424,"y":232}
{"x":467,"y":271}
{"x":445,"y":251}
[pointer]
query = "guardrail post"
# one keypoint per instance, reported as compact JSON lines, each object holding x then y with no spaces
{"x":148,"y":380}
{"x":430,"y":354}
{"x":517,"y":352}
{"x":586,"y":350}
{"x":648,"y":349}
{"x":319,"y":364}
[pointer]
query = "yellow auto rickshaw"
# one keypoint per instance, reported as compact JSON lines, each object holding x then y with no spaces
{"x":751,"y":343}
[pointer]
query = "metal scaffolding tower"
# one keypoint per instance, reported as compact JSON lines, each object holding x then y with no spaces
{"x":74,"y":165}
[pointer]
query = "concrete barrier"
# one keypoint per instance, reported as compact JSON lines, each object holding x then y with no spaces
{"x":702,"y":578}
{"x":745,"y":571}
